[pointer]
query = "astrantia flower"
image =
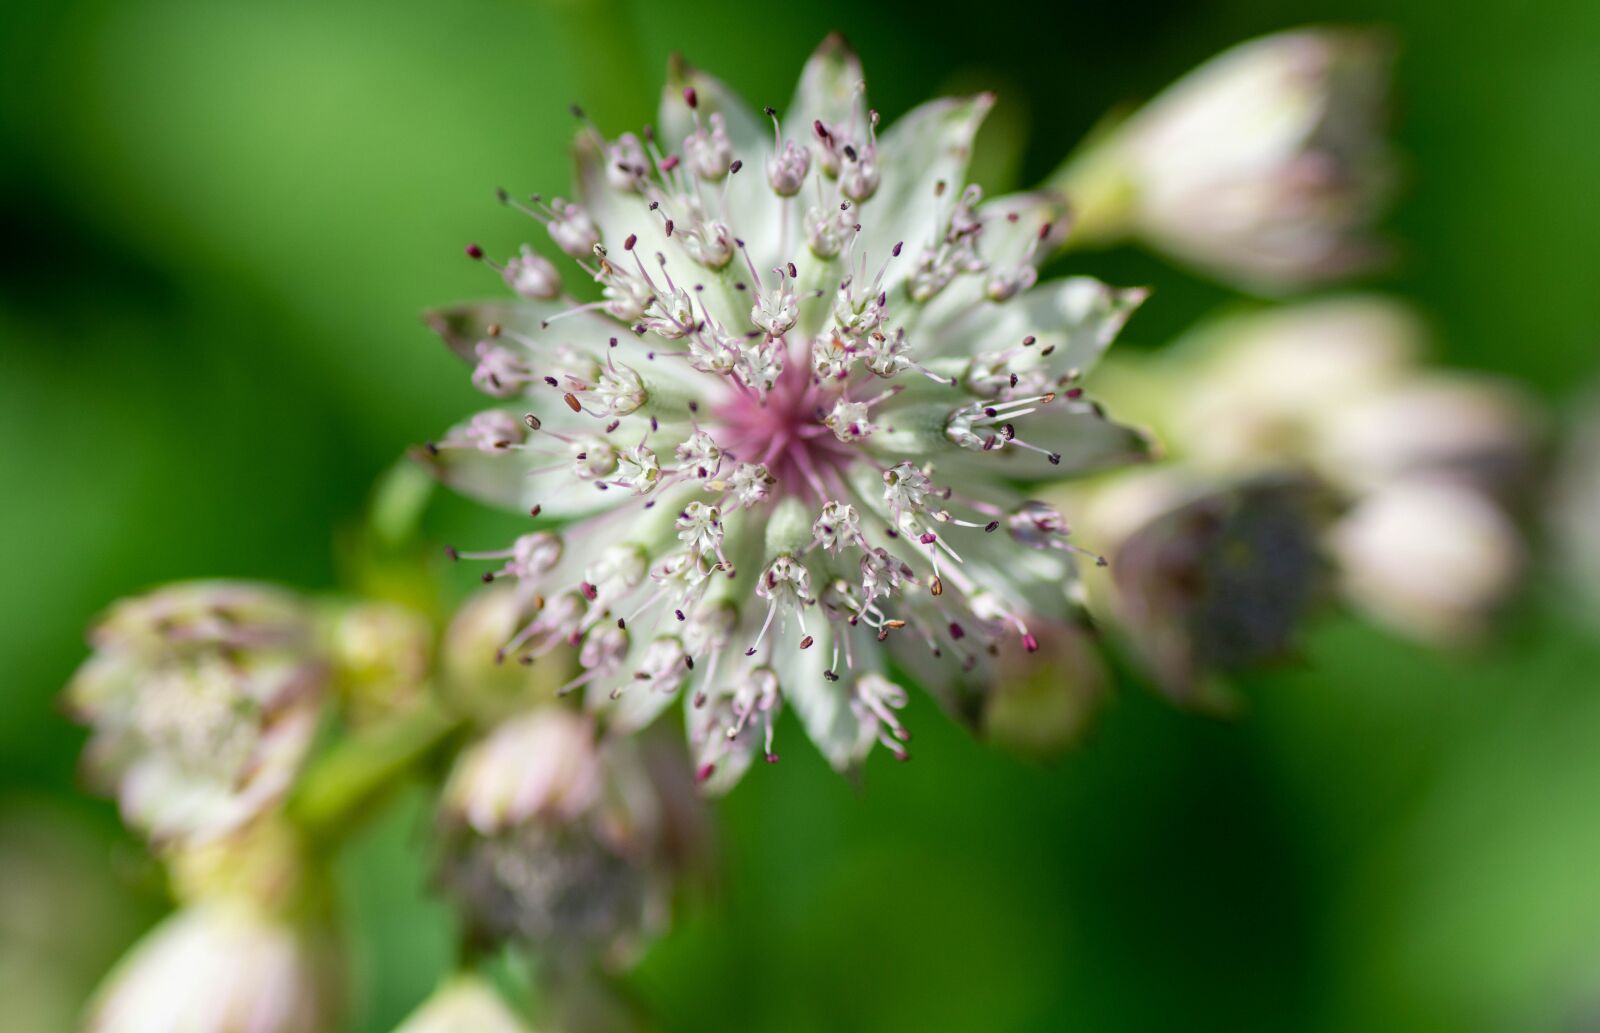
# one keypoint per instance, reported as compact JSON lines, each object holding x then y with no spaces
{"x":789,"y":432}
{"x":1265,"y":165}
{"x":220,"y":967}
{"x":203,"y":698}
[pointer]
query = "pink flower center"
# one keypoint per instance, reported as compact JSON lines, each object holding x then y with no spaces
{"x":785,"y":432}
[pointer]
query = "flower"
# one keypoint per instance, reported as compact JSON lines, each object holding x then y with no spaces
{"x":1265,"y":165}
{"x":1429,"y":557}
{"x":1417,"y":465}
{"x":556,"y":841}
{"x":1221,"y":583}
{"x":218,"y":967}
{"x":790,"y":433}
{"x":203,"y":698}
{"x":465,"y":1004}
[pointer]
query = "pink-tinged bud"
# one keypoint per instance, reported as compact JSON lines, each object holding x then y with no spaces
{"x":532,"y":275}
{"x":1430,"y":558}
{"x":219,"y":967}
{"x":202,"y":698}
{"x":562,"y":844}
{"x":1267,"y":165}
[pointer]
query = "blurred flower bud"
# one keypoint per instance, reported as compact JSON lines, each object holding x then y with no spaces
{"x":1265,"y":166}
{"x":477,"y":678}
{"x":219,"y":967}
{"x":558,"y":842}
{"x":203,"y":699}
{"x":1256,"y":391}
{"x":1473,"y":430}
{"x":1221,"y":584}
{"x":466,"y":1004}
{"x":382,"y":654}
{"x":1430,"y":558}
{"x":1043,"y":701}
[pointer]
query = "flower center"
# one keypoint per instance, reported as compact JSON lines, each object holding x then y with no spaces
{"x":786,"y":433}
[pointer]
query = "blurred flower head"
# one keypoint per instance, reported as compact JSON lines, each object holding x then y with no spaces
{"x":791,"y":431}
{"x":1266,"y":166}
{"x":1418,"y":465}
{"x":465,"y":1004}
{"x":1221,"y":583}
{"x":561,"y":843}
{"x":203,"y":698}
{"x":219,"y":967}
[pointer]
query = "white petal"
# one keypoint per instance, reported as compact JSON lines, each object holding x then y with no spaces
{"x":930,"y":145}
{"x":826,"y":91}
{"x":1079,"y":316}
{"x":823,"y":706}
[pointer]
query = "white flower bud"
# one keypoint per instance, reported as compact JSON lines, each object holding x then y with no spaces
{"x":532,"y":275}
{"x":1430,"y":558}
{"x":217,"y":968}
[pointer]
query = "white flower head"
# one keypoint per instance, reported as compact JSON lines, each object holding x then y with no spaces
{"x":811,"y":286}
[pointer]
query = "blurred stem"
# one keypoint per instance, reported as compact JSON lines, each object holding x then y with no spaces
{"x":351,"y":780}
{"x":1098,"y":189}
{"x":398,"y":501}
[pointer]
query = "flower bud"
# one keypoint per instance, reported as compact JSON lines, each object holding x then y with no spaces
{"x":1430,"y":558}
{"x":532,"y":275}
{"x":465,"y":1004}
{"x":1265,"y":166}
{"x":218,"y":967}
{"x":1476,"y":431}
{"x":1258,"y":391}
{"x":1041,"y":702}
{"x":1219,"y":585}
{"x":558,"y":843}
{"x":202,"y":698}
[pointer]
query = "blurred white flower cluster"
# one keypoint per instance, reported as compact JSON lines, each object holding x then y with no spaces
{"x":1309,"y":452}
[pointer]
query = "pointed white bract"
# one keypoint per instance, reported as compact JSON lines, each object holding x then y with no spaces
{"x":819,"y":370}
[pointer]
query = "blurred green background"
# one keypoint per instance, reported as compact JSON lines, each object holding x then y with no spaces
{"x":218,"y":223}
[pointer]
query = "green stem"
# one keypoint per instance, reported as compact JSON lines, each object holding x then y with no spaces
{"x":1095,"y":181}
{"x":351,"y":779}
